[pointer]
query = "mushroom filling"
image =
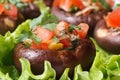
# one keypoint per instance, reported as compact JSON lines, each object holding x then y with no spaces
{"x":63,"y":36}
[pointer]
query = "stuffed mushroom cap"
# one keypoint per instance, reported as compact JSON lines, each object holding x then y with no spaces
{"x":72,"y":48}
{"x":107,"y":32}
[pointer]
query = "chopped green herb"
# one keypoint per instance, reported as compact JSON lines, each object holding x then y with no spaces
{"x":73,"y":9}
{"x":35,"y":38}
{"x":21,"y":5}
{"x":72,"y":27}
{"x":118,"y":5}
{"x":43,"y":19}
{"x":50,"y":26}
{"x":7,"y":6}
{"x":104,"y":3}
{"x":56,"y":39}
{"x":94,"y":0}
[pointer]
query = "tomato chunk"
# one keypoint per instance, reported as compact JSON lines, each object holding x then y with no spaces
{"x":40,"y":45}
{"x":113,"y":18}
{"x":43,"y":33}
{"x":66,"y":42}
{"x":43,"y":46}
{"x":79,"y":4}
{"x":56,"y":3}
{"x":2,"y":8}
{"x":12,"y":11}
{"x":68,"y":4}
{"x":83,"y":30}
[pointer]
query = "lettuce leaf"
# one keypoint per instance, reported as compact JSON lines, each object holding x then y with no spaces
{"x":7,"y":44}
{"x":65,"y":75}
{"x":7,"y":69}
{"x":48,"y":74}
{"x":106,"y":66}
{"x":42,"y":7}
{"x":4,"y":76}
{"x":80,"y":75}
{"x":43,"y":19}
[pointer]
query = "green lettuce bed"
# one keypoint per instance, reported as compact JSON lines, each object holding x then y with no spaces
{"x":105,"y":66}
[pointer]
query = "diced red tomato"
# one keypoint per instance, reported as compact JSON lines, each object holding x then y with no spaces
{"x":2,"y":8}
{"x":68,"y":4}
{"x":83,"y":31}
{"x":79,"y":4}
{"x":43,"y":46}
{"x":44,"y":34}
{"x":35,"y":46}
{"x":113,"y":18}
{"x":48,"y":41}
{"x":56,"y":3}
{"x":66,"y":42}
{"x":12,"y":12}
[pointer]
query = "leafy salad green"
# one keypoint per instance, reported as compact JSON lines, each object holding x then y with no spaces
{"x":106,"y":66}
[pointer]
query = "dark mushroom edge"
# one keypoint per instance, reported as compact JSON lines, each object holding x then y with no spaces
{"x":84,"y":54}
{"x":63,"y":54}
{"x":108,"y":38}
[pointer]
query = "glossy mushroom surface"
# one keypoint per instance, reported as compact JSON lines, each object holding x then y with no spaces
{"x":91,"y":19}
{"x":84,"y":54}
{"x":9,"y":24}
{"x":30,"y":11}
{"x":108,"y":38}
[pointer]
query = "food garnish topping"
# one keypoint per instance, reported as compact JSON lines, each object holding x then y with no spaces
{"x":62,"y":33}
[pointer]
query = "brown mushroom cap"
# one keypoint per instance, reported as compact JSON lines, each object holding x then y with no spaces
{"x":84,"y":54}
{"x":30,"y":11}
{"x":108,"y":38}
{"x":9,"y":24}
{"x":91,"y":19}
